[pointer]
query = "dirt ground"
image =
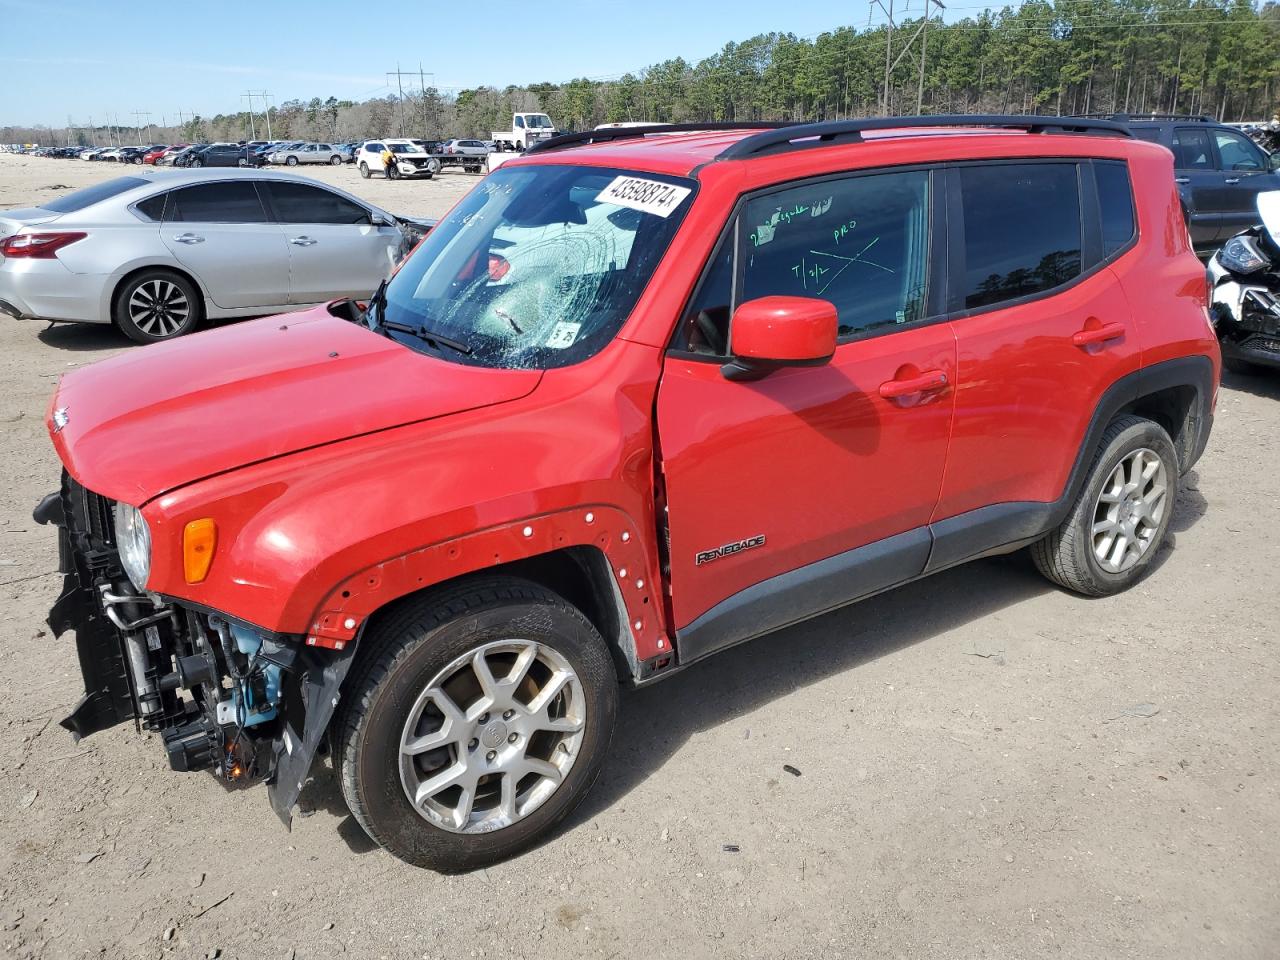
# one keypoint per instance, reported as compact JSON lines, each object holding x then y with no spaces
{"x":987,"y":766}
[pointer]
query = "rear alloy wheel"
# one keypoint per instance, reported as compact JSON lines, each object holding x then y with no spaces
{"x":291,"y":161}
{"x":364,"y":170}
{"x":1120,"y":518}
{"x":480,"y":719}
{"x":335,"y":161}
{"x":157,"y":305}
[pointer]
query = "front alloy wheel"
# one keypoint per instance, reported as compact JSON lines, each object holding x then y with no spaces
{"x":476,"y":718}
{"x":485,"y":766}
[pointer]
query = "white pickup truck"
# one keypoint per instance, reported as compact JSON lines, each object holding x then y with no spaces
{"x":526,"y":129}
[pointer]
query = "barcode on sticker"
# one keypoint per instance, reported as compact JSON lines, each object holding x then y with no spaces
{"x":563,"y":335}
{"x":648,"y":196}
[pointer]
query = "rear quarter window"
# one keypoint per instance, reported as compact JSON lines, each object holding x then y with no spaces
{"x":1115,"y":204}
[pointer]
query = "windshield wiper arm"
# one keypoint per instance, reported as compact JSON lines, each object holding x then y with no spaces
{"x":422,"y":333}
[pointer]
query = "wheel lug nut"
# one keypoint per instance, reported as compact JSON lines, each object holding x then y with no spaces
{"x":508,"y":714}
{"x":473,"y":744}
{"x":513,"y":738}
{"x":491,"y":755}
{"x":484,"y":718}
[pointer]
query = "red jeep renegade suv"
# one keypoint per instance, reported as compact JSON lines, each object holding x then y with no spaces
{"x":643,"y":394}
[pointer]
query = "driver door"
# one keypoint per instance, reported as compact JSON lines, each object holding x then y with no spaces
{"x":805,"y":489}
{"x":1245,"y":174}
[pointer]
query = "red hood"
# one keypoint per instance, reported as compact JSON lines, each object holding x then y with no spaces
{"x":156,"y":418}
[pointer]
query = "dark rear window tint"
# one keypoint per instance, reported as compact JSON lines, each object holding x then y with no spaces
{"x":1115,"y":204}
{"x":1151,"y":134}
{"x":72,"y":202}
{"x":1021,"y":230}
{"x":301,"y":203}
{"x":234,"y":202}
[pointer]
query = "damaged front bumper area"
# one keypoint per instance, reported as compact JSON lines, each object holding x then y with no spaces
{"x":247,"y":704}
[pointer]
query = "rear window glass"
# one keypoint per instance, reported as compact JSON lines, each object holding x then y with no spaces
{"x":1115,"y":204}
{"x":72,"y":202}
{"x":1021,"y":230}
{"x":1151,"y":134}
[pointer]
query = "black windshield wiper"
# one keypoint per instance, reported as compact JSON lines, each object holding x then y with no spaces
{"x":379,"y":300}
{"x":427,"y":336}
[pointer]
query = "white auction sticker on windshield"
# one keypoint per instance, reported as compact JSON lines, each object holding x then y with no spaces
{"x":563,"y":335}
{"x":647,"y":196}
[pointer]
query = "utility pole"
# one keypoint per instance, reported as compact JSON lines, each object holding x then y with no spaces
{"x":266,"y":110}
{"x":924,"y":49}
{"x":138,"y":115}
{"x":399,"y":74}
{"x":888,"y":55}
{"x":253,"y":135}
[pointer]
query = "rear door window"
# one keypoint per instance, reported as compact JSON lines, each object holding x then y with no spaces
{"x":232,"y":202}
{"x":1191,"y":150}
{"x":302,"y":203}
{"x":152,"y":208}
{"x":1022,"y":232}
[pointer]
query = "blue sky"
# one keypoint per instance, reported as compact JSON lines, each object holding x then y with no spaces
{"x":94,"y":57}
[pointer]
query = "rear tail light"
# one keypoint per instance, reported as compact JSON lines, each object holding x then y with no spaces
{"x":37,"y":246}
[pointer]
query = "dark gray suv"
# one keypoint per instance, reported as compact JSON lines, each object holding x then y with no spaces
{"x":1219,"y":172}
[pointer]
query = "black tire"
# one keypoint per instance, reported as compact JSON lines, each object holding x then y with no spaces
{"x":393,"y":173}
{"x":1066,"y":555}
{"x":335,"y":161}
{"x":1241,"y":368}
{"x":364,"y":170}
{"x":399,"y":658}
{"x":291,"y":162}
{"x":126,"y":323}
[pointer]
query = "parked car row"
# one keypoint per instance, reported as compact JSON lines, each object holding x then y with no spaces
{"x":156,"y":253}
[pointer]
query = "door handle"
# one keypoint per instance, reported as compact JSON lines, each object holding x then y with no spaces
{"x":927,"y":382}
{"x":1102,"y":334}
{"x":1232,"y":180}
{"x":1181,"y":179}
{"x":188,"y":238}
{"x":303,"y":241}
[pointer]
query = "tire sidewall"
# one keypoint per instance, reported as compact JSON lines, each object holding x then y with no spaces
{"x":364,"y":170}
{"x":1144,"y":434}
{"x":371,"y":762}
{"x":136,"y":333}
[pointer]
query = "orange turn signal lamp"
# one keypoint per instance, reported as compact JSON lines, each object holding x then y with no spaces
{"x":199,"y":540}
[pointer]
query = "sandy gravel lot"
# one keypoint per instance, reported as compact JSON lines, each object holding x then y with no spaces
{"x":989,"y":767}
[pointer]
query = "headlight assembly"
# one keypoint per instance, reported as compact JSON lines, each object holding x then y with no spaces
{"x":133,"y":540}
{"x":1241,"y":255}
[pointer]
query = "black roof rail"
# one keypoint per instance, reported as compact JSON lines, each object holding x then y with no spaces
{"x":1131,"y":117}
{"x":610,"y":134}
{"x":799,"y":136}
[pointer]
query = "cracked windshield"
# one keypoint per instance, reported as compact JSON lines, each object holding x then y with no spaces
{"x":537,"y":267}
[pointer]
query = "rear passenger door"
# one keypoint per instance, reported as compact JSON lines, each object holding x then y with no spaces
{"x":1042,"y":329}
{"x":1196,"y":171}
{"x":334,"y":248}
{"x":221,"y":232}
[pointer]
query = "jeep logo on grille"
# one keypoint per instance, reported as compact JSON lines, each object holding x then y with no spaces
{"x":737,"y":546}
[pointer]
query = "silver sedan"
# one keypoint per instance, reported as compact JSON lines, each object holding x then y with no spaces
{"x":157,"y":252}
{"x":307,"y":153}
